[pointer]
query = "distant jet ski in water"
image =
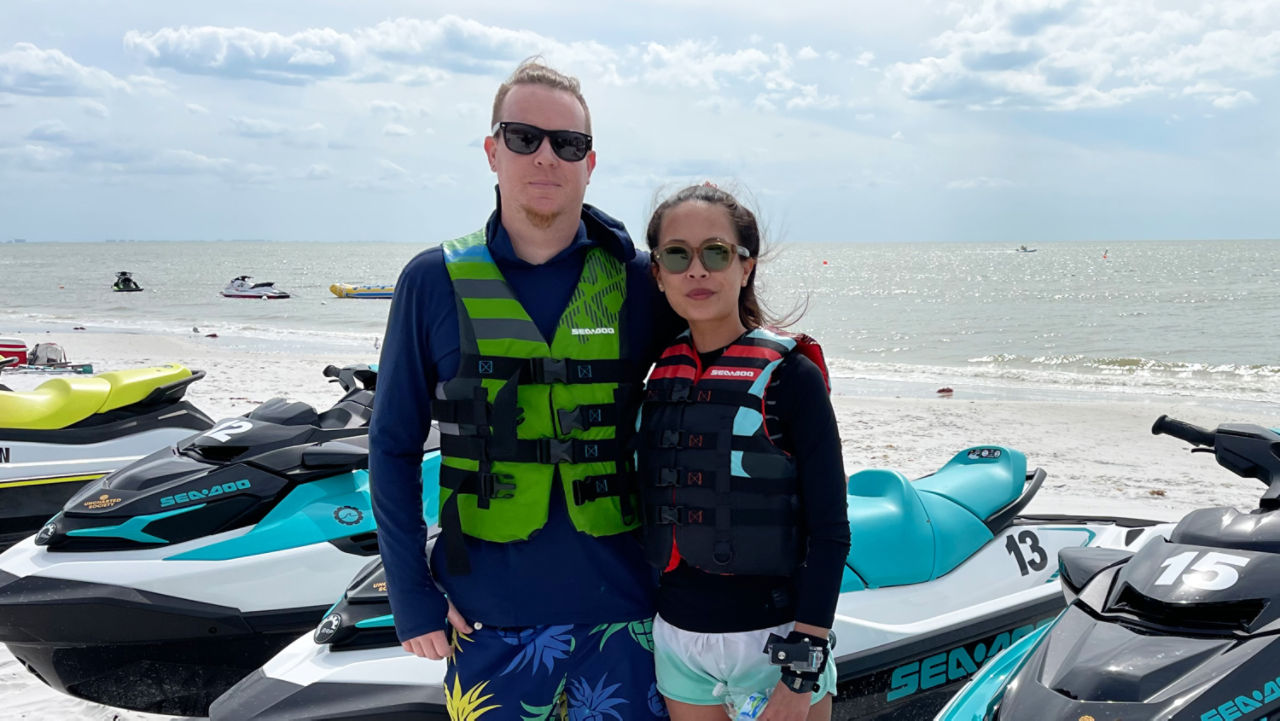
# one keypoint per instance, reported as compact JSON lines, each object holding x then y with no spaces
{"x":1025,"y":249}
{"x":241,"y":287}
{"x":125,"y":283}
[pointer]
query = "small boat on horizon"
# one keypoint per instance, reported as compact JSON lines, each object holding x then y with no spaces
{"x":1024,"y":249}
{"x":242,"y":287}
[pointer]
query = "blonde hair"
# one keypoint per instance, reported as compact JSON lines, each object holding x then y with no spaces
{"x":532,"y":71}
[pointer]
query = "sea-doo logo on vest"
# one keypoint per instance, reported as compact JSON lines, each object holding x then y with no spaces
{"x":953,"y":664}
{"x":731,"y":373}
{"x":4,"y":455}
{"x":1244,"y":704}
{"x":200,"y":494}
{"x":103,"y":501}
{"x":592,"y":331}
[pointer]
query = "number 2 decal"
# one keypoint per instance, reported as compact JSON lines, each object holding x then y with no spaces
{"x":1213,"y":572}
{"x":1038,"y":560}
{"x":226,"y":430}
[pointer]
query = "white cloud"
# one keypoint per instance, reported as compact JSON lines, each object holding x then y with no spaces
{"x":1238,"y":99}
{"x":263,"y":129}
{"x":29,"y":70}
{"x":318,"y":171}
{"x":865,"y":58}
{"x":39,"y":158}
{"x":807,"y":53}
{"x":1072,"y":54}
{"x":95,"y":109}
{"x":187,"y":162}
{"x":50,"y":131}
{"x":897,"y":135}
{"x":981,"y":181}
{"x":196,"y":109}
{"x":396,"y":130}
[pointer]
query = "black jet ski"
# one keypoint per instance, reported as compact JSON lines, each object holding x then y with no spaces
{"x":73,"y":429}
{"x":125,"y":283}
{"x":161,"y":585}
{"x":1180,"y":630}
{"x":944,"y":571}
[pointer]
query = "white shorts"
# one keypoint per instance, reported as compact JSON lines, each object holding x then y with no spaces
{"x":699,"y":668}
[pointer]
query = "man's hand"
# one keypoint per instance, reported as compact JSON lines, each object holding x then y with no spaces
{"x":786,"y":705}
{"x":435,"y":645}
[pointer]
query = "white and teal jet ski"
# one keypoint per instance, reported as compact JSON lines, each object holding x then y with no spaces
{"x":161,"y":585}
{"x":943,"y":574}
{"x":72,"y":430}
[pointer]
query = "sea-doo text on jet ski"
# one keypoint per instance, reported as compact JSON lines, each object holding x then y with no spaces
{"x":1180,"y":630}
{"x":241,"y":287}
{"x":942,"y":574}
{"x":75,"y":429}
{"x":161,"y":585}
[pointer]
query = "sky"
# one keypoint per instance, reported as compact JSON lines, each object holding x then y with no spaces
{"x":1017,"y":121}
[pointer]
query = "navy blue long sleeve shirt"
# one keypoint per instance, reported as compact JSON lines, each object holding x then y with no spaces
{"x":559,"y":575}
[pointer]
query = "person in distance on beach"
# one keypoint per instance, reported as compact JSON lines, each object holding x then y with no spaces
{"x":738,"y":455}
{"x":527,"y":341}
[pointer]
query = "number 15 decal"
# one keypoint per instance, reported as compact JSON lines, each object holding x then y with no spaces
{"x":1038,"y":560}
{"x":1213,"y":572}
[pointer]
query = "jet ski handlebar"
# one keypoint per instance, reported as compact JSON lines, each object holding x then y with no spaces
{"x":1193,"y":434}
{"x":1247,"y":450}
{"x":352,"y":377}
{"x":7,"y":361}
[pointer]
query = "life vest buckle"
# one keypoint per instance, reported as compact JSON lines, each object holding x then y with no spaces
{"x":492,"y":487}
{"x":668,"y":477}
{"x":548,"y":370}
{"x":594,"y":487}
{"x":553,"y":450}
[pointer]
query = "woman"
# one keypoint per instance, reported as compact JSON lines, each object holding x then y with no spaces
{"x":744,"y":487}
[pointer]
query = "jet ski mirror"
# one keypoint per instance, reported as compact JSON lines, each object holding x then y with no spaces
{"x":335,"y":454}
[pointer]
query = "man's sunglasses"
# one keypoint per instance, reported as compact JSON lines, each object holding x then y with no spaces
{"x":524,"y":139}
{"x":715,"y":256}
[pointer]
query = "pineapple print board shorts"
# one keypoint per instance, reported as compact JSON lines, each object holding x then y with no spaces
{"x":700,"y":668}
{"x":585,"y":672}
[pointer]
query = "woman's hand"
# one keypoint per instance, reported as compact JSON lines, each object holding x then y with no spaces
{"x":435,"y":645}
{"x":786,"y":705}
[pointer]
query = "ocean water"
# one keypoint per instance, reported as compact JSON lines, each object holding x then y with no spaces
{"x":1193,"y":320}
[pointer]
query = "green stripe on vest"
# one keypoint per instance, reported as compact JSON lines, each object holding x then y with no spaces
{"x":490,"y":313}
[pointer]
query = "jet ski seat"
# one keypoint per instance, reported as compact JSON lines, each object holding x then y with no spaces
{"x":904,"y":532}
{"x":56,"y":403}
{"x":133,"y":385}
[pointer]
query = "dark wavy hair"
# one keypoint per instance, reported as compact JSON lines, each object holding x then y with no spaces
{"x":750,"y":311}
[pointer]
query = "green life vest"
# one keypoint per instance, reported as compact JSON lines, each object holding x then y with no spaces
{"x":520,"y":410}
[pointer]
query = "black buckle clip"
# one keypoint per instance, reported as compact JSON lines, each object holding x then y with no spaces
{"x":548,"y":370}
{"x":591,"y":488}
{"x":670,"y":515}
{"x":553,"y":450}
{"x":680,"y":392}
{"x":668,"y":477}
{"x":491,"y":487}
{"x":670,"y":439}
{"x":581,"y":418}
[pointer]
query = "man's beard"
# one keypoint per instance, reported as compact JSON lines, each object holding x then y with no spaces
{"x":541,"y":221}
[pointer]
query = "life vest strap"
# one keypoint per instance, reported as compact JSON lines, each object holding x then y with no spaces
{"x":542,"y":371}
{"x":484,"y":486}
{"x":716,"y":480}
{"x":540,"y":450}
{"x":719,"y":517}
{"x":685,"y":393}
{"x":586,"y":417}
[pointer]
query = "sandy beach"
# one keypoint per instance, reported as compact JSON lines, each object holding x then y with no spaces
{"x":1100,"y":456}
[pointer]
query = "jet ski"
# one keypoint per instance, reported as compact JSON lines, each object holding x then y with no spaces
{"x":943,"y":573}
{"x":125,"y":283}
{"x":72,"y":430}
{"x":243,"y":287}
{"x":1182,"y":629}
{"x":161,"y":585}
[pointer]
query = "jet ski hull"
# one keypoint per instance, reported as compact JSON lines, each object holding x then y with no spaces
{"x":156,"y":634}
{"x":901,"y":651}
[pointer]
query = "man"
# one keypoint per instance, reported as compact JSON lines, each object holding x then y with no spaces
{"x":527,"y":341}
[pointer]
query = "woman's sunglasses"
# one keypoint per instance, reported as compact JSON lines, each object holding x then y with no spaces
{"x":524,"y":139}
{"x":715,"y":256}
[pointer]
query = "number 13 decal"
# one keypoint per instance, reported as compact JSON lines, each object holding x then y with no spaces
{"x":1213,"y":572}
{"x":1038,"y":560}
